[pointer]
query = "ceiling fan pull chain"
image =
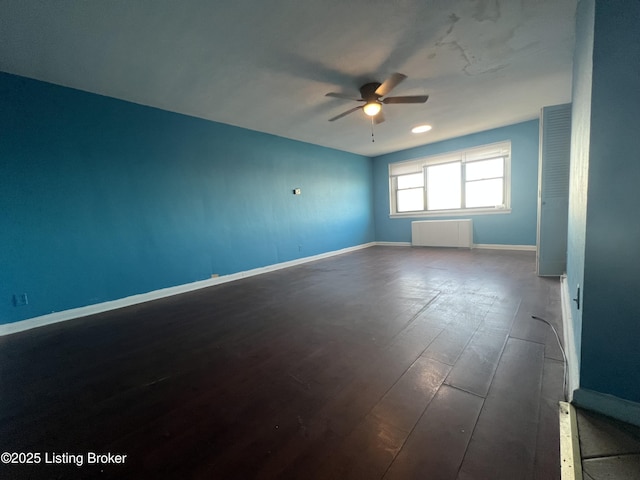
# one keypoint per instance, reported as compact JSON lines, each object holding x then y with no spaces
{"x":373,"y":139}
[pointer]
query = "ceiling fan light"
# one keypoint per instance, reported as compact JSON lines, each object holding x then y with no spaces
{"x":372,"y":108}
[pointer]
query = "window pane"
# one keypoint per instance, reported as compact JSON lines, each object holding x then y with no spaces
{"x":410,"y":181}
{"x":484,"y":169}
{"x":484,"y":193}
{"x":443,"y":186}
{"x":410,"y":200}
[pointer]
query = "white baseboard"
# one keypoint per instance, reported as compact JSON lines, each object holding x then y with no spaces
{"x":492,"y":246}
{"x":394,"y":244}
{"x":487,"y":246}
{"x":56,"y":317}
{"x":573,"y":366}
{"x":608,"y":405}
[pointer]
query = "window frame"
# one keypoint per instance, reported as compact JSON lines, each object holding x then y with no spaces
{"x":466,"y":156}
{"x":424,"y":198}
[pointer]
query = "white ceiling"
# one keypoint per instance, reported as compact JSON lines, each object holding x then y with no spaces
{"x":266,"y":64}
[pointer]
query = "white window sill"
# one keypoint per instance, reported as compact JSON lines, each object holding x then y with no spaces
{"x":452,"y":213}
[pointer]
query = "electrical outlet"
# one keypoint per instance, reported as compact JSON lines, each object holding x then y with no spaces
{"x":215,"y":275}
{"x":20,"y":300}
{"x":297,"y":191}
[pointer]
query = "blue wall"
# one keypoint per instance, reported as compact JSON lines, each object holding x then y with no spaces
{"x":580,"y":138}
{"x":611,"y":315}
{"x":102,"y":199}
{"x":515,"y":228}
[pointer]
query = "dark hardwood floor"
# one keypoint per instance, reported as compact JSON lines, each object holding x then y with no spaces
{"x":385,"y":363}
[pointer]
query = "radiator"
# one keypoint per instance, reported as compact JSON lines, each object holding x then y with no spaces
{"x":442,"y":233}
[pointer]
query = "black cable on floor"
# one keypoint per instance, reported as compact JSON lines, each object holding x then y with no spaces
{"x":564,"y":356}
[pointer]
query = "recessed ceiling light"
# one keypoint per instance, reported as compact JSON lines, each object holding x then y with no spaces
{"x":421,"y":129}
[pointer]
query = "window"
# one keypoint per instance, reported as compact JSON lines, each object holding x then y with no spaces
{"x":410,"y":192}
{"x":470,"y":181}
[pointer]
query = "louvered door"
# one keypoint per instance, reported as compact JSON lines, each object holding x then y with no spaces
{"x":553,"y":189}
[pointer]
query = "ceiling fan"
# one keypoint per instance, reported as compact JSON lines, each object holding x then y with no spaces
{"x":371,"y":94}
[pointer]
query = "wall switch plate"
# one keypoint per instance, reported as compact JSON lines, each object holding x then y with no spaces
{"x":297,"y":191}
{"x":20,"y":300}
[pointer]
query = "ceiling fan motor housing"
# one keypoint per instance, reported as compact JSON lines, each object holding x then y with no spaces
{"x":368,"y":92}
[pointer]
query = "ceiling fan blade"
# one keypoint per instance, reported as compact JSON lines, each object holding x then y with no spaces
{"x":390,"y":83}
{"x":379,"y":118}
{"x":343,"y":96}
{"x":344,"y":114}
{"x":407,"y":99}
